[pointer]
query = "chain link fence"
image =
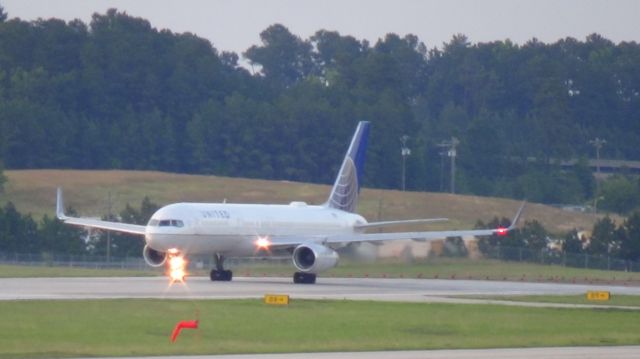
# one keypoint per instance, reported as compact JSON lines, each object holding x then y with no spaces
{"x":517,"y":254}
{"x":549,"y":256}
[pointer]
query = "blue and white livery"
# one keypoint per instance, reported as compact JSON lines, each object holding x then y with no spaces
{"x":311,"y":232}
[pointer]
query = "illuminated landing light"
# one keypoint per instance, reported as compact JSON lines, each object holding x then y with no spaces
{"x":177,"y":268}
{"x":501,"y":231}
{"x":262,"y":244}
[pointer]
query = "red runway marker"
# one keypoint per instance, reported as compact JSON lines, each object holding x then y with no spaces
{"x":185,"y":324}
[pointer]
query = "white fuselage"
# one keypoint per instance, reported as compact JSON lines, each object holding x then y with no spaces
{"x":233,"y":229}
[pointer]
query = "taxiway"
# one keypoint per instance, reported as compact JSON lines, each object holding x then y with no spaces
{"x":404,"y":290}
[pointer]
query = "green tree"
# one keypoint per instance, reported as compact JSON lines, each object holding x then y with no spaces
{"x":534,"y":235}
{"x":603,"y":236}
{"x":3,"y":178}
{"x":60,"y":238}
{"x":572,"y":243}
{"x":630,"y":238}
{"x":18,"y":232}
{"x":3,"y":14}
{"x":285,"y":58}
{"x":619,"y":194}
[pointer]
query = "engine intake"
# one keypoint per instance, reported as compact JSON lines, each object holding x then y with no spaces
{"x":314,"y":258}
{"x":152,"y":257}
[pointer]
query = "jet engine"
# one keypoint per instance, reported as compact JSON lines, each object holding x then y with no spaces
{"x":314,"y":258}
{"x":153,"y":257}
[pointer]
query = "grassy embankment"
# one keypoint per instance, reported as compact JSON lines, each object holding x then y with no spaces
{"x":33,"y":191}
{"x":142,"y":327}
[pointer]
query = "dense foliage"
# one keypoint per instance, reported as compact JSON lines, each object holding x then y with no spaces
{"x":118,"y":93}
{"x":20,"y":233}
{"x":607,"y":239}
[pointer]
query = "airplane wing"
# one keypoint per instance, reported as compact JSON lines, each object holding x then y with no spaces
{"x":391,"y":236}
{"x":397,"y":223}
{"x":95,"y":223}
{"x":419,"y":236}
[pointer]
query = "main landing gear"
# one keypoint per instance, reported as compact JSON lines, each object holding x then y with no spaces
{"x":304,"y":278}
{"x":220,"y":274}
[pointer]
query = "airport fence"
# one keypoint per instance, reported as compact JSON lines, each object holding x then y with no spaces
{"x":517,"y":254}
{"x":550,"y":256}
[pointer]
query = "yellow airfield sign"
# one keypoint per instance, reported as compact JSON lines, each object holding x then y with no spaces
{"x":598,"y":295}
{"x":276,"y":299}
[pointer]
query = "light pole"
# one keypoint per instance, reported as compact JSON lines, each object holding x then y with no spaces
{"x":404,"y":151}
{"x":442,"y":154}
{"x":597,"y":143}
{"x":109,"y":232}
{"x":452,"y":153}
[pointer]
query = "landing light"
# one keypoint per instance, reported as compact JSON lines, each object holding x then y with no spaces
{"x":177,"y":268}
{"x":263,"y":243}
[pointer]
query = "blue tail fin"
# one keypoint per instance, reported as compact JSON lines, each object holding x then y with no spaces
{"x":344,"y":195}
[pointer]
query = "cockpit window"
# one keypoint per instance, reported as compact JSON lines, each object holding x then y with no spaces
{"x":166,"y":223}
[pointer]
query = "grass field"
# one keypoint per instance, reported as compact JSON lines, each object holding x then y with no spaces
{"x":20,"y":271}
{"x":33,"y":191}
{"x":142,"y":327}
{"x":616,"y":300}
{"x":456,"y":268}
{"x":442,"y":268}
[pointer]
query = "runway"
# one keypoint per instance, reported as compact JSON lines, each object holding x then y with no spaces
{"x":624,"y":352}
{"x":405,"y":290}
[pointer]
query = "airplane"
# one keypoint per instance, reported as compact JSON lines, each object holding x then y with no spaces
{"x":311,"y":233}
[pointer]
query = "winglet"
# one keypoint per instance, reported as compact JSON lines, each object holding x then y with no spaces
{"x":515,"y":220}
{"x":60,"y":206}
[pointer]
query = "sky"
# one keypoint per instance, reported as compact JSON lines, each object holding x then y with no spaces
{"x":235,"y":25}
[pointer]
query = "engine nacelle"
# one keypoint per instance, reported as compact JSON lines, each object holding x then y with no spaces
{"x":314,"y":258}
{"x":153,"y":257}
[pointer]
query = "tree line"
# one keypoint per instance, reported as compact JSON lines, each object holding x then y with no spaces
{"x":119,"y":93}
{"x":20,"y":233}
{"x":607,"y":238}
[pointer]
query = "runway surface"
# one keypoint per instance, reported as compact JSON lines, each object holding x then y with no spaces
{"x":626,"y":352}
{"x":411,"y":290}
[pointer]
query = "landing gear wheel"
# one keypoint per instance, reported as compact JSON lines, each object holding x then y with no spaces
{"x":304,"y":278}
{"x":221,"y":276}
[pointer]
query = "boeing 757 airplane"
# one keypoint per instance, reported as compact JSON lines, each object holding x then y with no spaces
{"x":311,"y":232}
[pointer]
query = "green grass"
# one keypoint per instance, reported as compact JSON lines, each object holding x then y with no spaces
{"x":615,"y":300}
{"x":441,"y":268}
{"x":33,"y":191}
{"x":457,"y":268}
{"x":20,"y":271}
{"x":142,"y":327}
